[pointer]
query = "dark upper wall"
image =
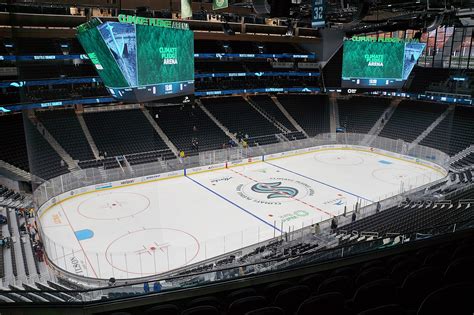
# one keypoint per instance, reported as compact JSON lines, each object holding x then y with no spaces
{"x":203,"y":29}
{"x":327,"y":46}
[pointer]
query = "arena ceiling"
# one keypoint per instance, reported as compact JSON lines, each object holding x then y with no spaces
{"x":363,"y":16}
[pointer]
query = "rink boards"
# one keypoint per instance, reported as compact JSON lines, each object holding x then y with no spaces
{"x":152,"y":224}
{"x":220,"y":166}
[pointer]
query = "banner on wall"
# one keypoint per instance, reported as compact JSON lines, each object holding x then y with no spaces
{"x":219,"y":4}
{"x":186,"y":10}
{"x":317,"y":19}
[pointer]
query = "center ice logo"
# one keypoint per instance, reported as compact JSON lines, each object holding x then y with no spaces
{"x":275,"y":190}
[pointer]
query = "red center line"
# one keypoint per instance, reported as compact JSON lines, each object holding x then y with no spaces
{"x":283,"y":193}
{"x":80,"y":245}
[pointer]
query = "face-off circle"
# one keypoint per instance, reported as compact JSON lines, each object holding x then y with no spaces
{"x":150,"y":251}
{"x":113,"y":205}
{"x":395,"y":176}
{"x":338,"y":158}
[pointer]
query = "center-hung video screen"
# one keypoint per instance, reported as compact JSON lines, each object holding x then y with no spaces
{"x":384,"y":63}
{"x":141,"y":59}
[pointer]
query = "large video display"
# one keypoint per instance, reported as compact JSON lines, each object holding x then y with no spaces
{"x":368,"y":62}
{"x":141,"y":59}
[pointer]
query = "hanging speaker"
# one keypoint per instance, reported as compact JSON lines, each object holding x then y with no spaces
{"x":261,"y":6}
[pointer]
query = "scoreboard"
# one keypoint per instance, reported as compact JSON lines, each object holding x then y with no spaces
{"x":141,"y":59}
{"x":382,"y":63}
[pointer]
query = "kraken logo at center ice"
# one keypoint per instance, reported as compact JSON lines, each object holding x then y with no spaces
{"x":275,"y":190}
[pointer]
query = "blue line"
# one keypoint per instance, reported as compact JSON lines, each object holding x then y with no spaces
{"x":233,"y":203}
{"x":317,"y":181}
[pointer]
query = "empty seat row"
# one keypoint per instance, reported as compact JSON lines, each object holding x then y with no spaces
{"x":359,"y":114}
{"x":311,"y":112}
{"x":454,"y":133}
{"x":240,"y":117}
{"x":413,"y":217}
{"x":185,"y":123}
{"x":123,"y":132}
{"x":65,"y":128}
{"x":410,"y":283}
{"x":410,"y":119}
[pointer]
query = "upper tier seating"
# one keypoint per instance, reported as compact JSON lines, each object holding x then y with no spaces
{"x":454,"y":133}
{"x":217,"y":66}
{"x":267,"y":104}
{"x":44,"y":161}
{"x":10,"y":97}
{"x":423,"y":75}
{"x":208,"y":46}
{"x":74,"y":46}
{"x":310,"y":111}
{"x":282,"y":48}
{"x":359,"y":114}
{"x":3,"y":50}
{"x":211,"y":66}
{"x":415,"y":217}
{"x":238,"y":47}
{"x":467,"y":161}
{"x":261,"y":66}
{"x":239,"y":117}
{"x":431,"y":278}
{"x":42,"y":46}
{"x":55,"y":71}
{"x":256,"y":82}
{"x":65,"y":128}
{"x":178,"y":124}
{"x":43,"y":93}
{"x":410,"y":119}
{"x":245,"y":47}
{"x":13,"y":144}
{"x":123,"y":132}
{"x":35,"y":46}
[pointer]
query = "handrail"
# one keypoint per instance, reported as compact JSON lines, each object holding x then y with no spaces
{"x":363,"y":245}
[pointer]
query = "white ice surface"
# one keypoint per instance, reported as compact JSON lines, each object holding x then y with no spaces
{"x":150,"y":228}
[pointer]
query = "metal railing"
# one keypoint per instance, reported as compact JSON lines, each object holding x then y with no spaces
{"x":217,"y":275}
{"x":94,"y":176}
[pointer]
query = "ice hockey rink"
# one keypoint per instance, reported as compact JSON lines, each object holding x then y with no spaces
{"x":149,"y":228}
